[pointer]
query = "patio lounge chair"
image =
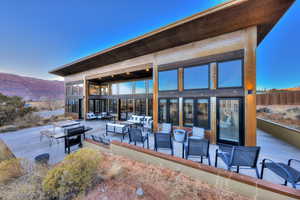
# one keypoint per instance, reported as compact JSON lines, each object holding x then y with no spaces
{"x":163,"y":141}
{"x":285,"y":171}
{"x":136,"y":136}
{"x":238,"y":156}
{"x":197,"y":148}
{"x":73,"y":137}
{"x":165,"y":128}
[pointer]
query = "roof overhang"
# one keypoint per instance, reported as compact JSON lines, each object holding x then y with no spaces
{"x":224,"y":18}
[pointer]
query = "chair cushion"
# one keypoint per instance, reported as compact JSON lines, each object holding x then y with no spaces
{"x":198,"y":132}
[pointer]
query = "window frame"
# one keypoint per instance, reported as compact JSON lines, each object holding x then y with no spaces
{"x":172,"y":69}
{"x":196,"y":65}
{"x":242,"y":71}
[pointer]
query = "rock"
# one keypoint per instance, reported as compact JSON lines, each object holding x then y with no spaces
{"x":264,"y":109}
{"x":139,"y":191}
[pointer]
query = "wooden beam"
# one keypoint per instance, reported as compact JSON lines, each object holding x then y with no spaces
{"x":213,"y":120}
{"x":250,"y":85}
{"x":155,"y":97}
{"x":213,"y":76}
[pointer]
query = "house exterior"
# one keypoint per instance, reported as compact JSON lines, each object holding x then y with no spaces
{"x":199,"y":71}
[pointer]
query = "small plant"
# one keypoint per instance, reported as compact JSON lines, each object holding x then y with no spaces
{"x":10,"y":170}
{"x":75,"y":175}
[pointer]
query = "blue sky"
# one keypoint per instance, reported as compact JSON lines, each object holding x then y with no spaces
{"x":37,"y":36}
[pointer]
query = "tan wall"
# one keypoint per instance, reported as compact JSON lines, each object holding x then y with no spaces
{"x":219,"y":178}
{"x":284,"y":133}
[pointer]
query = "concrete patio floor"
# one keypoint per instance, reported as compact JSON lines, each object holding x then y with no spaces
{"x":26,"y":144}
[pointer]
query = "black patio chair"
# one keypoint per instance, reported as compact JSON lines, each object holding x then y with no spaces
{"x":285,"y":171}
{"x":238,"y":156}
{"x":197,"y":148}
{"x":136,"y":136}
{"x":73,"y":137}
{"x":163,"y":141}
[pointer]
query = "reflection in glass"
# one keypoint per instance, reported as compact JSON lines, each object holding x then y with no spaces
{"x":150,"y":107}
{"x":113,"y":106}
{"x":188,"y":112}
{"x":229,"y":120}
{"x":168,"y":80}
{"x":91,"y":105}
{"x":162,"y":110}
{"x":123,"y":109}
{"x":140,"y":106}
{"x":125,"y":88}
{"x":150,"y":82}
{"x":196,"y":77}
{"x":114,"y":89}
{"x":202,"y":108}
{"x":230,"y":73}
{"x":140,"y":87}
{"x":174,"y":112}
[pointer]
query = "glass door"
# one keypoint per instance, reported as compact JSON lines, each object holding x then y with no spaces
{"x":230,"y":126}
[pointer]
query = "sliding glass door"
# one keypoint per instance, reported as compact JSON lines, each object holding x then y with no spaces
{"x":169,"y":110}
{"x":230,"y":126}
{"x":196,"y":112}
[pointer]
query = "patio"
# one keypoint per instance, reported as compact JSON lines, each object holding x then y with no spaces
{"x":26,"y":144}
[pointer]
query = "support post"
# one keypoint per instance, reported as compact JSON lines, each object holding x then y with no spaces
{"x":155,"y":97}
{"x":250,"y":85}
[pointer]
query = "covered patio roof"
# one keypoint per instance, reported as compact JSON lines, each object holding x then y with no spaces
{"x":224,"y":18}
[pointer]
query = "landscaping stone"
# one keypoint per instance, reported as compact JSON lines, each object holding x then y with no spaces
{"x":139,"y":191}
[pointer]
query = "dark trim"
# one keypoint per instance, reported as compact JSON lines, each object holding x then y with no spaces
{"x":203,"y":60}
{"x":228,"y":60}
{"x":241,"y":121}
{"x":226,"y":92}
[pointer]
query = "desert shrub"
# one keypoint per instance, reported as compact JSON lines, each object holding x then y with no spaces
{"x":27,"y":186}
{"x":10,"y":170}
{"x":11,"y":108}
{"x":75,"y":175}
{"x":28,"y":120}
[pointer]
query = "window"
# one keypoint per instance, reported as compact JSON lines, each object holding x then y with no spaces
{"x":91,"y":105}
{"x":169,"y":111}
{"x":74,"y":89}
{"x":114,"y":89}
{"x":112,"y":105}
{"x":125,"y":88}
{"x":230,"y":74}
{"x":140,"y":87}
{"x":196,"y":112}
{"x":196,"y":77}
{"x":150,"y":107}
{"x":188,"y":112}
{"x":202,"y":113}
{"x":140,"y":106}
{"x":94,"y":89}
{"x":168,"y":80}
{"x":150,"y":82}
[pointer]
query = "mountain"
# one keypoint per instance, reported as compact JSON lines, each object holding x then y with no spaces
{"x":31,"y":88}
